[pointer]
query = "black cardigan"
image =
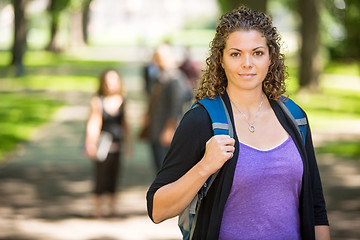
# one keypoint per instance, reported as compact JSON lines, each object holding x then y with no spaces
{"x":188,"y":147}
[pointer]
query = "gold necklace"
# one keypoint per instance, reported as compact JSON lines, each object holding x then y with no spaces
{"x":251,"y":126}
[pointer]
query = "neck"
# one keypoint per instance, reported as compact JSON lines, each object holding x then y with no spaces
{"x":248,"y":101}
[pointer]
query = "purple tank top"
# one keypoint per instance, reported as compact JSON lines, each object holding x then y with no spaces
{"x":264,"y":197}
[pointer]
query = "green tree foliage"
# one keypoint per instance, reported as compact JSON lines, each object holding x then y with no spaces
{"x":352,"y":24}
{"x":227,"y":5}
{"x":347,"y":37}
{"x":56,"y":6}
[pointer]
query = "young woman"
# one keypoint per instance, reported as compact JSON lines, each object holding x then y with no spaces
{"x":107,"y":114}
{"x":269,"y":185}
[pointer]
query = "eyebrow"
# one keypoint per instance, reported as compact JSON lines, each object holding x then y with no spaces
{"x":241,"y":50}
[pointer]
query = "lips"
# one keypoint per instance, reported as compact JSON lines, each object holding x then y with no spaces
{"x":247,"y":75}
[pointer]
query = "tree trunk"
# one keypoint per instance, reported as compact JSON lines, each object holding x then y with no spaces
{"x":85,"y":20}
{"x":54,"y":28}
{"x":55,"y":9}
{"x":20,"y":32}
{"x":76,"y":38}
{"x":310,"y":61}
{"x":228,"y":5}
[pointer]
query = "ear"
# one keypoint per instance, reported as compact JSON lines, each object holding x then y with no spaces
{"x":222,"y":62}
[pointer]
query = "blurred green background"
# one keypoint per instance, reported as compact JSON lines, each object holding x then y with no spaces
{"x":53,"y":46}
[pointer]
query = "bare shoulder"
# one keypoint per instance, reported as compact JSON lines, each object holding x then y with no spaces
{"x":95,"y":103}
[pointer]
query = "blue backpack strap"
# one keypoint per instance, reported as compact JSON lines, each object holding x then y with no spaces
{"x":221,"y":123}
{"x":295,"y":114}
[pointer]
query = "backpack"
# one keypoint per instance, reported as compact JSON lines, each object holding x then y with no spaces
{"x":296,"y":115}
{"x":221,"y":124}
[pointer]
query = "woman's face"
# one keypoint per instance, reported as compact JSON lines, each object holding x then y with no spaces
{"x":246,"y":60}
{"x":112,"y":83}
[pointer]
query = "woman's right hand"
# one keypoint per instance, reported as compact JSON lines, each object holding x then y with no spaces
{"x":90,"y":150}
{"x":170,"y":200}
{"x":219,"y":149}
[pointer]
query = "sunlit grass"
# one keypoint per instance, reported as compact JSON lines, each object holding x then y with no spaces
{"x":5,"y":57}
{"x":341,"y":149}
{"x":351,"y":68}
{"x":57,"y":83}
{"x":20,"y":114}
{"x":54,"y":72}
{"x":330,"y":106}
{"x":330,"y":102}
{"x":45,"y":58}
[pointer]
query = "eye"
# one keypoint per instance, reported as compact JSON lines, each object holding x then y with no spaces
{"x":258,"y":53}
{"x":235,"y":54}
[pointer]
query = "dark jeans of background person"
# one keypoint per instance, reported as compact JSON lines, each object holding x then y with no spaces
{"x":159,"y":153}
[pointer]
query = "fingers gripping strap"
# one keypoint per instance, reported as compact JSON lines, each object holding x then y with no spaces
{"x":221,"y":124}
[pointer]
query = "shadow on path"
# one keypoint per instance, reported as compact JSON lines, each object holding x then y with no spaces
{"x":46,"y":189}
{"x":341,"y":183}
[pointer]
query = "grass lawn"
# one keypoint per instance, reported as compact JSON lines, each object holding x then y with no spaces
{"x":20,"y":114}
{"x":325,"y":110}
{"x":342,"y":149}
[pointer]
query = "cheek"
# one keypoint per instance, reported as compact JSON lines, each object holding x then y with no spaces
{"x":269,"y":62}
{"x":229,"y":65}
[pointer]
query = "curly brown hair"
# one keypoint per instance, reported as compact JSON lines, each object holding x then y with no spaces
{"x":213,"y":80}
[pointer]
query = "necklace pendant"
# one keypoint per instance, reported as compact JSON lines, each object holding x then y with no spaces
{"x":251,"y":128}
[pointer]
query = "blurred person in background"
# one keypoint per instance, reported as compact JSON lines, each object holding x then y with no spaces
{"x":191,"y":70}
{"x":268,"y":185}
{"x":151,"y":73}
{"x":106,"y":132}
{"x":166,"y":103}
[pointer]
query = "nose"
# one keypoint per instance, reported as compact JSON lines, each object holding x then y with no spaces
{"x":247,"y":61}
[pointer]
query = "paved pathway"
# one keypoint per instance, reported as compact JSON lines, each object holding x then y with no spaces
{"x":45,"y":188}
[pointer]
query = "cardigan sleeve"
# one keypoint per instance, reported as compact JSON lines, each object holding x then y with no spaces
{"x":319,"y":201}
{"x":186,"y":149}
